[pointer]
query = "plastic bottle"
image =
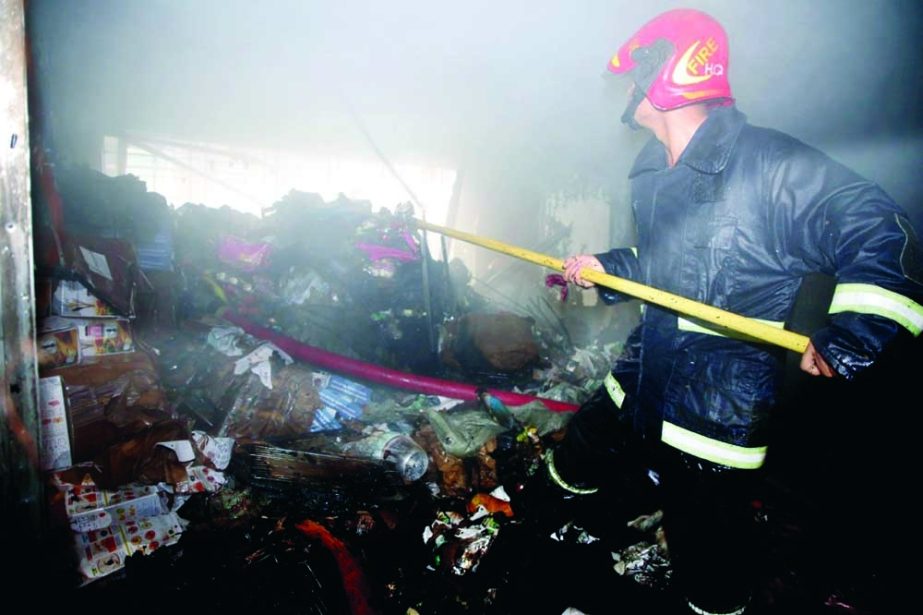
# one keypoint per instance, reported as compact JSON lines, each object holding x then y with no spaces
{"x":406,"y":455}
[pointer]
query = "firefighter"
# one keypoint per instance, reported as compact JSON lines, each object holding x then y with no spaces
{"x":734,"y":216}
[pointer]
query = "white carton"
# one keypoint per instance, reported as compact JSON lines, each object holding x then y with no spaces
{"x":55,"y":451}
{"x":73,"y":299}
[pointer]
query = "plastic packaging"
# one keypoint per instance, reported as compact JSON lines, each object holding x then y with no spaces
{"x":344,"y":404}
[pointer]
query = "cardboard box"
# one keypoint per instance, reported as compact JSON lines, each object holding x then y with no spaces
{"x":108,"y":266}
{"x":102,"y":552}
{"x":74,"y":300}
{"x":55,"y":451}
{"x":102,"y":337}
{"x":58,"y":348}
{"x":91,"y":385}
{"x":96,"y":336}
{"x":100,"y":371}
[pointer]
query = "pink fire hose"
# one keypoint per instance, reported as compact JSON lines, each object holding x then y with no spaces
{"x":383,"y":375}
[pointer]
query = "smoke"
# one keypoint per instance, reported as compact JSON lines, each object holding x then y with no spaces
{"x":512,"y":92}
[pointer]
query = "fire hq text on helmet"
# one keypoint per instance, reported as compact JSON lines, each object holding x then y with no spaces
{"x":678,"y":58}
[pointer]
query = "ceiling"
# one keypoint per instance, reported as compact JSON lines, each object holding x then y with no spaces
{"x":455,"y":82}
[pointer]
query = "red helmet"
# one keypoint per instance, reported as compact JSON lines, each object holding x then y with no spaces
{"x":678,"y":58}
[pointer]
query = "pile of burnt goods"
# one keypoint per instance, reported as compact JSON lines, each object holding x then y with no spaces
{"x":418,"y":493}
{"x":339,"y":277}
{"x":287,"y":399}
{"x":215,"y":441}
{"x":331,"y":275}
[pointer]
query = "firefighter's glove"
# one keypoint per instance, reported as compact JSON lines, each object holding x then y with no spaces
{"x":575,"y":264}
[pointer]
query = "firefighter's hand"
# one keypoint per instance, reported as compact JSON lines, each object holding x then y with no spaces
{"x":574,"y":264}
{"x":814,"y":364}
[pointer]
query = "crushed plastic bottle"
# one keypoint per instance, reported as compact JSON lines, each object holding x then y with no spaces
{"x":406,"y":455}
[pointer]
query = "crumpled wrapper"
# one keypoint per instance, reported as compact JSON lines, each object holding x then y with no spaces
{"x":459,"y":543}
{"x":258,"y":362}
{"x":140,"y":458}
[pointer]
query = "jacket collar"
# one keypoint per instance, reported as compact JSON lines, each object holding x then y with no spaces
{"x":707,"y":152}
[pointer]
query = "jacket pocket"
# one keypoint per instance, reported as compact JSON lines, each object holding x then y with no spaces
{"x":728,"y":399}
{"x":716,"y":233}
{"x":708,"y":258}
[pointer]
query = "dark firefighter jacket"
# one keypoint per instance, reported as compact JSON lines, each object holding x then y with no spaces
{"x":739,"y":220}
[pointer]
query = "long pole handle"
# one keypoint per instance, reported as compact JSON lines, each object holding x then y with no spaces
{"x":722,"y":318}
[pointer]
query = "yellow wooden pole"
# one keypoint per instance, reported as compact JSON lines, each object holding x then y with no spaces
{"x":722,"y":318}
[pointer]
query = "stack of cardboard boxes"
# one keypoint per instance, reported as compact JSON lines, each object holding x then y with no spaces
{"x":79,"y":334}
{"x":95,"y":390}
